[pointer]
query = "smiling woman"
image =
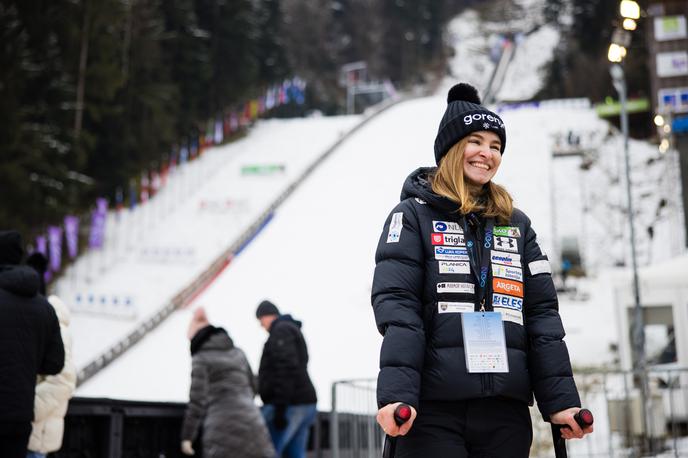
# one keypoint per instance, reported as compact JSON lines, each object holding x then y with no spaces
{"x":457,"y":263}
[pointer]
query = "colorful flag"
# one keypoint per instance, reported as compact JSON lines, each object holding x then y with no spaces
{"x":42,"y":245}
{"x":133,"y":193}
{"x":145,"y":183}
{"x":71,"y":225}
{"x":55,"y":244}
{"x":218,"y":132}
{"x":119,"y":199}
{"x":97,"y":235}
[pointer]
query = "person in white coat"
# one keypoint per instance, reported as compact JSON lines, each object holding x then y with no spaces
{"x":53,"y":393}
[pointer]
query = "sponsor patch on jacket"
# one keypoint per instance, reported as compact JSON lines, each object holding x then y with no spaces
{"x":447,"y":226}
{"x":454,"y":267}
{"x":514,"y":316}
{"x":420,"y":201}
{"x":510,"y":302}
{"x":451,"y":253}
{"x":540,"y":267}
{"x":439,"y":238}
{"x":512,"y":273}
{"x":506,"y":244}
{"x":510,"y":287}
{"x":454,"y":307}
{"x":505,"y":259}
{"x":506,"y":231}
{"x":456,"y":287}
{"x":395,"y":227}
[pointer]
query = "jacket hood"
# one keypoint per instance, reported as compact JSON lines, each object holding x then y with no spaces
{"x":286,"y":318}
{"x":19,"y":280}
{"x":61,"y":309}
{"x":417,"y":185}
{"x":211,"y":338}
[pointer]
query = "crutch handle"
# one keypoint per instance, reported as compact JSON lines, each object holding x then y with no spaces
{"x":583,"y":417}
{"x":402,"y":414}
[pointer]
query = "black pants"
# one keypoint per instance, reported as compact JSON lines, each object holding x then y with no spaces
{"x":479,"y":428}
{"x":14,"y":439}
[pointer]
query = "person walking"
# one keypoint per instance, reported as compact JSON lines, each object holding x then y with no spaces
{"x":30,"y":345}
{"x":463,"y":296}
{"x":221,"y":397}
{"x":53,"y":393}
{"x":283,"y":383}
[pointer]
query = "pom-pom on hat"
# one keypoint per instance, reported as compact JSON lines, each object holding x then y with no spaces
{"x":464,"y":115}
{"x":199,"y":320}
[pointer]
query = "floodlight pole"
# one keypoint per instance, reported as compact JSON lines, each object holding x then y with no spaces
{"x":638,"y":326}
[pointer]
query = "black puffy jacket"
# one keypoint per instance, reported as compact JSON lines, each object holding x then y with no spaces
{"x":417,"y":299}
{"x":283,"y":374}
{"x":30,"y":341}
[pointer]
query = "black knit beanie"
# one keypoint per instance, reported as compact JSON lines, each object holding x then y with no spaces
{"x":463,"y":116}
{"x":11,"y":250}
{"x":266,"y":308}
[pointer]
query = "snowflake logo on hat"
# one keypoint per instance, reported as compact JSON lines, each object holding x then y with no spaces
{"x":486,"y":125}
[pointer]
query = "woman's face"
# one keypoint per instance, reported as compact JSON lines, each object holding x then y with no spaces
{"x":481,"y":157}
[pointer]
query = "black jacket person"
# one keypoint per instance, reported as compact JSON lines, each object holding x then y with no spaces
{"x":452,"y":253}
{"x":283,"y":381}
{"x":30,"y":344}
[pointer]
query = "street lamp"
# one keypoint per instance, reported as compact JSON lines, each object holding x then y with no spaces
{"x":638,"y":327}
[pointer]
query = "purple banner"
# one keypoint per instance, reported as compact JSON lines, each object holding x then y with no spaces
{"x":97,"y":236}
{"x":42,"y":245}
{"x":55,"y":244}
{"x":71,"y":224}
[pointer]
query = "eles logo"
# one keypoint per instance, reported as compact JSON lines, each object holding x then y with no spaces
{"x":500,"y":300}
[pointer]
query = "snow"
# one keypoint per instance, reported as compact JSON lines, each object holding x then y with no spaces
{"x":315,"y":257}
{"x":206,"y":205}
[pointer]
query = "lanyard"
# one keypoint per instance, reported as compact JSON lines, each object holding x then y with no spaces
{"x":479,"y":245}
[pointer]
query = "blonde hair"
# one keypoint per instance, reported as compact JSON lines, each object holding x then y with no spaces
{"x":448,"y":181}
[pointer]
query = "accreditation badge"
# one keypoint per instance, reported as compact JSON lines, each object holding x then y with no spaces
{"x":484,"y":342}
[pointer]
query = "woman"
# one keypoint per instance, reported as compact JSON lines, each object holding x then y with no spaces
{"x":53,"y":393}
{"x":464,"y":298}
{"x":221,"y":397}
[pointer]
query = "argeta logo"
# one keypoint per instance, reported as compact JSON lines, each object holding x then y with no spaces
{"x":510,"y":287}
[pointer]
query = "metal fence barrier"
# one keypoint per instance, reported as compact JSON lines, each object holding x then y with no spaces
{"x":621,"y":428}
{"x":354,"y":432}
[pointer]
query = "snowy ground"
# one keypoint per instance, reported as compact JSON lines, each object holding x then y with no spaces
{"x":155,"y":251}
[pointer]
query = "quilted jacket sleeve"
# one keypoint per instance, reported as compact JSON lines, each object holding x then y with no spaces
{"x":396,"y":298}
{"x":198,"y":399}
{"x":548,"y":357}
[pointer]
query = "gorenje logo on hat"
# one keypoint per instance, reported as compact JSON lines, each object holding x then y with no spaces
{"x":468,"y":119}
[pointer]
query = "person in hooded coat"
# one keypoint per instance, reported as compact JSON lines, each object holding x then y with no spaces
{"x":221,"y":397}
{"x":464,"y":298}
{"x":30,"y":345}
